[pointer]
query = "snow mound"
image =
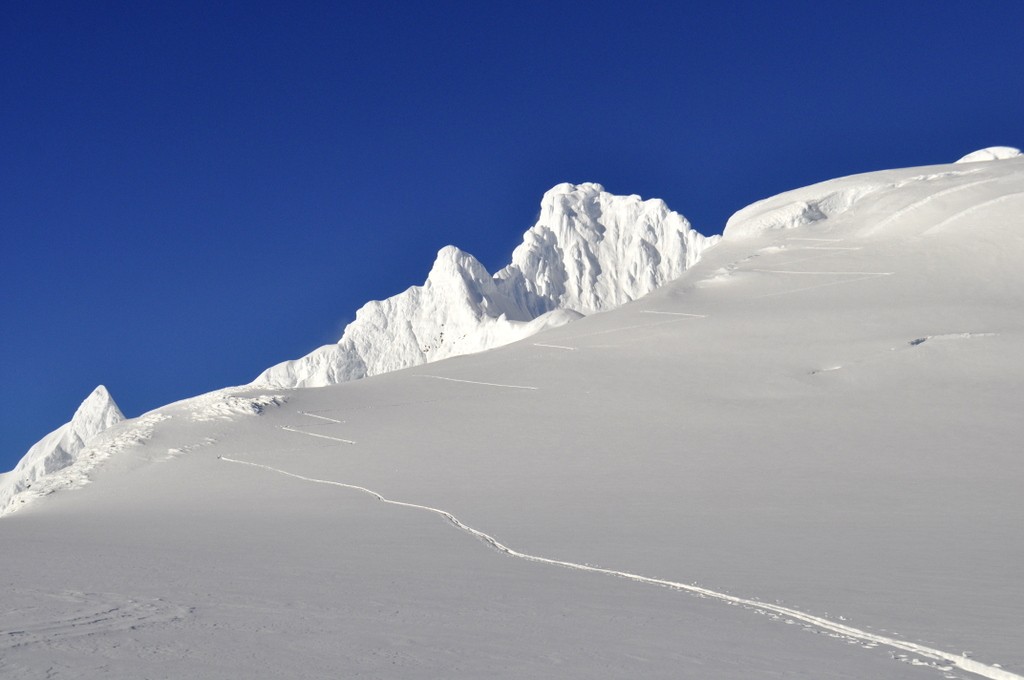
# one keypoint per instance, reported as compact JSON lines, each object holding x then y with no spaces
{"x":795,"y":209}
{"x":992,"y":153}
{"x":589,"y":251}
{"x":222,"y":405}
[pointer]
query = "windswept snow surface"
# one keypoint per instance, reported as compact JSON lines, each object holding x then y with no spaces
{"x":590,"y":251}
{"x":799,"y":459}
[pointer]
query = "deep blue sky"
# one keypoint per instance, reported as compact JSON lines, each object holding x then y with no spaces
{"x":189,"y":194}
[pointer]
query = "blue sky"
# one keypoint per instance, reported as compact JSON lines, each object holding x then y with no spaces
{"x":189,"y":194}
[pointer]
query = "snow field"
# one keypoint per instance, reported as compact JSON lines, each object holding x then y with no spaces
{"x":938,"y":659}
{"x":817,"y":422}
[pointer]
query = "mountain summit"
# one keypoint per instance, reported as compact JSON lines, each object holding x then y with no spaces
{"x":590,"y":251}
{"x":62,"y":447}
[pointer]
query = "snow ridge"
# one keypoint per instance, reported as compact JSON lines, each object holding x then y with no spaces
{"x":62,"y":447}
{"x":589,"y":251}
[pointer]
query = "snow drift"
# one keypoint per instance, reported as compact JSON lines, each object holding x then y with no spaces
{"x":992,"y":153}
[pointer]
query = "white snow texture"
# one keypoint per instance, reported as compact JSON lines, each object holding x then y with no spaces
{"x":589,"y":251}
{"x":992,"y":153}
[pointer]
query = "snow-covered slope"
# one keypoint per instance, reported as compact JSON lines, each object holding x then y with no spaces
{"x":59,"y":449}
{"x":877,"y":203}
{"x":799,"y":459}
{"x":589,"y":251}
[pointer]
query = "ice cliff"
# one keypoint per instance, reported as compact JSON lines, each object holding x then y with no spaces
{"x":589,"y":251}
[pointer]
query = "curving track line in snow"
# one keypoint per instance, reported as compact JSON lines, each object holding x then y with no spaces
{"x":967,"y":211}
{"x":922,"y":202}
{"x":947,"y":659}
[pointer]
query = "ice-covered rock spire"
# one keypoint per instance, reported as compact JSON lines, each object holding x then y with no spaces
{"x":61,"y":448}
{"x":589,"y":251}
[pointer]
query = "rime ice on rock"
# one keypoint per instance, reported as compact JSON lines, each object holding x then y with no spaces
{"x":589,"y":251}
{"x":61,"y":448}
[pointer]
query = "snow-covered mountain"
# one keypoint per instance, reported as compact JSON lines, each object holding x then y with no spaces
{"x":800,"y":458}
{"x":590,"y":251}
{"x":61,"y":448}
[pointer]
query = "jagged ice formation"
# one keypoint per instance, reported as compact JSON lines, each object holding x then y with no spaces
{"x":590,"y":251}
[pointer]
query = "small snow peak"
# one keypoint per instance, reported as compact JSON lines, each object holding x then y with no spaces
{"x":449,"y":253}
{"x":100,"y":395}
{"x":98,"y":407}
{"x":62,"y":447}
{"x":453,"y":261}
{"x":567,"y":189}
{"x":992,"y":153}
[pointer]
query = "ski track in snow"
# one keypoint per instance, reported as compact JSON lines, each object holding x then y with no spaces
{"x":318,"y":417}
{"x":940,"y":660}
{"x":866,"y":277}
{"x":922,"y":202}
{"x":654,"y":311}
{"x":477,"y":382}
{"x":544,"y":344}
{"x":627,"y":328}
{"x":968,"y":211}
{"x":317,"y":435}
